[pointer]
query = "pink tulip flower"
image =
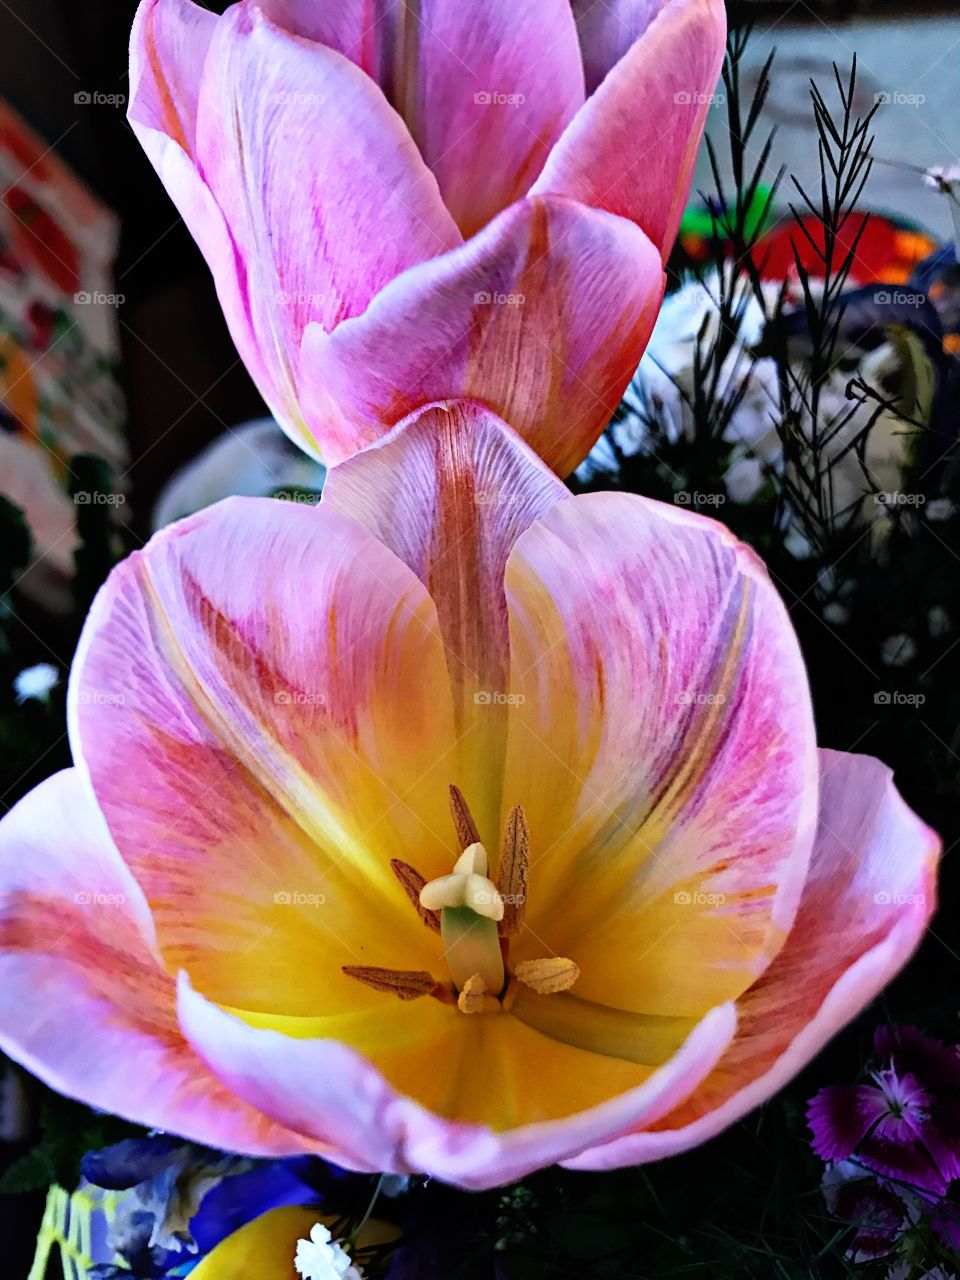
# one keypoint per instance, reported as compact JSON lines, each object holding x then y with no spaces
{"x":405,"y":201}
{"x":458,"y":826}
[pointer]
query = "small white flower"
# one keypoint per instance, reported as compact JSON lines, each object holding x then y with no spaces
{"x":836,"y":613}
{"x":898,"y":651}
{"x":942,"y":177}
{"x":940,"y":509}
{"x":394,"y":1184}
{"x":939,"y":621}
{"x":322,"y":1258}
{"x":36,"y":682}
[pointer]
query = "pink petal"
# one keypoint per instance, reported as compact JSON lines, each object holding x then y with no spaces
{"x":662,"y":745}
{"x":543,"y":317}
{"x":450,"y":491}
{"x":608,"y":30}
{"x":867,"y":902}
{"x":168,"y":47}
{"x":248,"y":697}
{"x":230,"y":111}
{"x":85,"y":1003}
{"x":484,"y":92}
{"x":632,"y":147}
{"x":329,"y":1093}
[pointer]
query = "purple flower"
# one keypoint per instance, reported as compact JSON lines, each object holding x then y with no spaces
{"x":878,"y":1214}
{"x":905,"y":1125}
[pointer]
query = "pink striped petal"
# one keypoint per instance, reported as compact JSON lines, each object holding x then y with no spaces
{"x":543,"y":317}
{"x":248,"y":697}
{"x":450,"y":491}
{"x":865,"y":907}
{"x":632,"y":148}
{"x":662,"y":745}
{"x":485,"y":87}
{"x":333,"y":1096}
{"x":85,"y":1003}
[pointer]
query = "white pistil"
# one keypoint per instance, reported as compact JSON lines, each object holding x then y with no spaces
{"x":470,"y":908}
{"x":467,"y":886}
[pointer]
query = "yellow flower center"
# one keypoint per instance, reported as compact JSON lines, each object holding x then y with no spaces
{"x":476,"y":919}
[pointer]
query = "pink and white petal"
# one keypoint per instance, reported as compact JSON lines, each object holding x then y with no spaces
{"x":260,"y":698}
{"x":85,"y":1003}
{"x":631,"y":149}
{"x":484,"y":92}
{"x":168,"y":46}
{"x":662,"y":744}
{"x":607,"y":31}
{"x":450,"y":491}
{"x":869,"y":897}
{"x":543,"y":317}
{"x":334,"y":1096}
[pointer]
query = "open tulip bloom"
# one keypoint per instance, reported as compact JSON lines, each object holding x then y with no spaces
{"x":457,"y":826}
{"x":407,"y":201}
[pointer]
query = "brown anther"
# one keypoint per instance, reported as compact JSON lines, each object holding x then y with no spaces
{"x":405,"y":984}
{"x":411,"y":881}
{"x":463,"y":822}
{"x":548,"y":976}
{"x":512,"y":872}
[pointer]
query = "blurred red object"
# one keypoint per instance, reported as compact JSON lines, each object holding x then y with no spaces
{"x":886,"y":252}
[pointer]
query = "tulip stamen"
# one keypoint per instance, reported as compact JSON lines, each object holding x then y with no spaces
{"x":547,"y":977}
{"x":512,"y":871}
{"x":474,"y":998}
{"x":476,"y":920}
{"x":411,"y":881}
{"x":463,"y":822}
{"x":405,"y":984}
